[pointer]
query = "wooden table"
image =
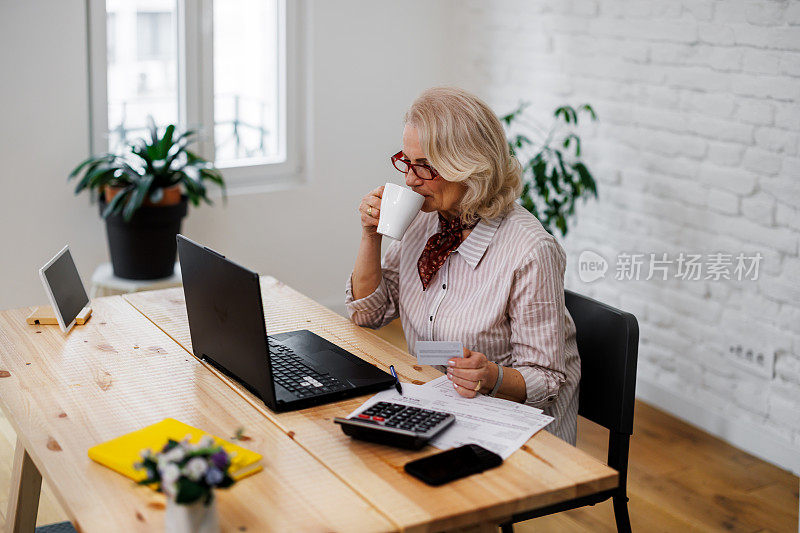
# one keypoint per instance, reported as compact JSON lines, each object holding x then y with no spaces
{"x":131,"y":365}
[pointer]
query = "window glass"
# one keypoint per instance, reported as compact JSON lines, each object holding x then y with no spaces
{"x":142,"y":67}
{"x":247,"y":77}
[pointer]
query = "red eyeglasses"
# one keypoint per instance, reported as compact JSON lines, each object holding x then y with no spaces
{"x":421,"y":170}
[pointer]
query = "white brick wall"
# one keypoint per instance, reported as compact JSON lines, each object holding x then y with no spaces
{"x":696,"y":151}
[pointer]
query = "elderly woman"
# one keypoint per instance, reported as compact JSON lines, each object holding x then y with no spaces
{"x":474,"y":266}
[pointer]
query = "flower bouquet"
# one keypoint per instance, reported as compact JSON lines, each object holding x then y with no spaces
{"x":188,"y":474}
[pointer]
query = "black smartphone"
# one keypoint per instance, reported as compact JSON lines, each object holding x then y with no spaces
{"x":450,"y":465}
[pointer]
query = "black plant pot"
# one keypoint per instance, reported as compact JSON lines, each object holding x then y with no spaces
{"x":145,"y":247}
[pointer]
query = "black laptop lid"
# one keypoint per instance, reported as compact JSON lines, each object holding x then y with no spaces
{"x":226,"y":316}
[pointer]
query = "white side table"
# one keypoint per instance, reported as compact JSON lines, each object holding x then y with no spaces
{"x":105,"y":283}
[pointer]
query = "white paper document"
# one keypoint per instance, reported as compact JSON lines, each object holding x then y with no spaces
{"x":498,"y":425}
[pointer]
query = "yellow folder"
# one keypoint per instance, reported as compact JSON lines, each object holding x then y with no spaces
{"x":122,"y":453}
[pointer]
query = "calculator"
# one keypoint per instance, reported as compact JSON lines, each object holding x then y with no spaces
{"x":396,"y":425}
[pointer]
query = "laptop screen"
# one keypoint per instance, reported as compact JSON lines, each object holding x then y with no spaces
{"x":226,"y":316}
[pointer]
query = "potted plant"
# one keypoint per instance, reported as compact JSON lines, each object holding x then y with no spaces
{"x":188,"y":474}
{"x":144,"y":193}
{"x":554,"y":175}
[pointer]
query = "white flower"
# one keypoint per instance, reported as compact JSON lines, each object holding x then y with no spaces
{"x":169,"y":474}
{"x":147,"y":452}
{"x":214,"y":476}
{"x":206,"y":441}
{"x":175,"y":455}
{"x":195,"y":468}
{"x":170,"y":490}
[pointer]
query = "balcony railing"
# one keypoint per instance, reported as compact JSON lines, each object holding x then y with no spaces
{"x":238,"y":138}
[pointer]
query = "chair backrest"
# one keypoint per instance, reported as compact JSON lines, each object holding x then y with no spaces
{"x":608,"y":344}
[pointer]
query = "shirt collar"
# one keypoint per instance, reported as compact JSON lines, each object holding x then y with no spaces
{"x":474,"y":246}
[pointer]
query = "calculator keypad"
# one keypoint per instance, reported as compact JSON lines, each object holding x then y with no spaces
{"x":392,"y":415}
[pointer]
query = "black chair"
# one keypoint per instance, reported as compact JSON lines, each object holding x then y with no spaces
{"x":608,"y":344}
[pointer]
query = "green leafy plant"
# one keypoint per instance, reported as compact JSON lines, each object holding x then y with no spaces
{"x":147,"y":167}
{"x":554,"y":175}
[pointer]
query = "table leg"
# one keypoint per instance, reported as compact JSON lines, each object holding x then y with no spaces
{"x":23,"y":502}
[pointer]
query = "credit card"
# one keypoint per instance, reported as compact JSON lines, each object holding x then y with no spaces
{"x":437,"y":352}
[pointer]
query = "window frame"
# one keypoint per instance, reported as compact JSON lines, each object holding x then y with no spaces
{"x":195,"y":49}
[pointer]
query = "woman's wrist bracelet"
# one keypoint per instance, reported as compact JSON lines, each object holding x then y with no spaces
{"x":499,"y":380}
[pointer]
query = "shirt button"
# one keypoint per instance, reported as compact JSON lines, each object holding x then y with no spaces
{"x":444,"y":285}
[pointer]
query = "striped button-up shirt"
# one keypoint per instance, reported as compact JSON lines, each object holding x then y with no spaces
{"x":501,"y":293}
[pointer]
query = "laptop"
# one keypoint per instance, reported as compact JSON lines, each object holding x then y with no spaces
{"x":288,"y":371}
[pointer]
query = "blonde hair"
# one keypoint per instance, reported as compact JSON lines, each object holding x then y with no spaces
{"x":465,"y":142}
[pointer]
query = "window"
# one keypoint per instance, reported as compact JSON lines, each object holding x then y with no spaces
{"x":154,"y":35}
{"x":111,"y":50}
{"x":246,"y":80}
{"x":141,"y":68}
{"x":228,"y":68}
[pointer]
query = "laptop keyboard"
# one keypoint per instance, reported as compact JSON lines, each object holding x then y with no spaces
{"x":289,"y":371}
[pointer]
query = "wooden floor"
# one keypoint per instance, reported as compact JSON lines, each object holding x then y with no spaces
{"x":680,"y":479}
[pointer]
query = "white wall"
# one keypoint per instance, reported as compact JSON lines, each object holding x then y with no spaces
{"x":44,"y":132}
{"x":696,"y":151}
{"x":368,"y":62}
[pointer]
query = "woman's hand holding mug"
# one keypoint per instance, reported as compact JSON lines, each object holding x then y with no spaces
{"x":370,"y":210}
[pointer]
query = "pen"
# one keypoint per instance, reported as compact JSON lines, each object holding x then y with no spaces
{"x":396,"y":380}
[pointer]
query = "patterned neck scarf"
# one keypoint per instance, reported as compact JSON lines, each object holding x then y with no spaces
{"x":439,"y":246}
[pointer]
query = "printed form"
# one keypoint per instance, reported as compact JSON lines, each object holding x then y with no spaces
{"x":501,"y":426}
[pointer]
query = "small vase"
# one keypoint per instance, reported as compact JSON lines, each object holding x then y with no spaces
{"x":193,"y":518}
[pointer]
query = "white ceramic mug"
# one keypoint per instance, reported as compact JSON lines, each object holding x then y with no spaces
{"x":399,"y":206}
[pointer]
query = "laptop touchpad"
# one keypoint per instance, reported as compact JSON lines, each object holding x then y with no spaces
{"x":339,"y":366}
